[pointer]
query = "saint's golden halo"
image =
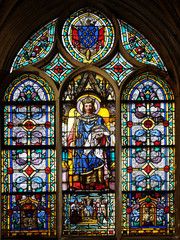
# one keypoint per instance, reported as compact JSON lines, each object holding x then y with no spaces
{"x":96,"y":100}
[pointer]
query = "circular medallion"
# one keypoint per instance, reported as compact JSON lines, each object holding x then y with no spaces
{"x":148,"y":124}
{"x":29,"y":125}
{"x":88,"y":35}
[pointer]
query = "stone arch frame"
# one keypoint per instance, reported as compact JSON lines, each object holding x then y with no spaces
{"x":171,"y":59}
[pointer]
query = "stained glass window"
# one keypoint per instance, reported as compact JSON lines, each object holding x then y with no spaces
{"x":86,"y":125}
{"x":36,"y":48}
{"x":139,"y":47}
{"x":118,"y":68}
{"x":28,"y":159}
{"x":88,"y":158}
{"x":148,"y":140}
{"x":58,"y":68}
{"x":88,"y":35}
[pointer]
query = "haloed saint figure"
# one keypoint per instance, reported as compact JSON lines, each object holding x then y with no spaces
{"x":91,"y":156}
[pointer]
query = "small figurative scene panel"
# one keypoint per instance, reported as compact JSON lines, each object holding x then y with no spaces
{"x":28,"y":215}
{"x":139,"y":47}
{"x":28,"y":125}
{"x":58,"y":69}
{"x":89,"y":214}
{"x":36,"y":48}
{"x":28,"y":170}
{"x":147,"y":214}
{"x":118,"y":68}
{"x":88,"y":35}
{"x":88,"y":137}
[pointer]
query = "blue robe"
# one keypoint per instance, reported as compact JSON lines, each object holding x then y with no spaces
{"x":84,"y":164}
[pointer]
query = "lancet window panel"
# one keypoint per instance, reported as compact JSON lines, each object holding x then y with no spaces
{"x":88,"y":158}
{"x":148,"y":156}
{"x":28,"y":159}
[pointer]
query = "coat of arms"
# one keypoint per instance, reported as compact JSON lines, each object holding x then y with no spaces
{"x":88,"y":38}
{"x":88,"y":35}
